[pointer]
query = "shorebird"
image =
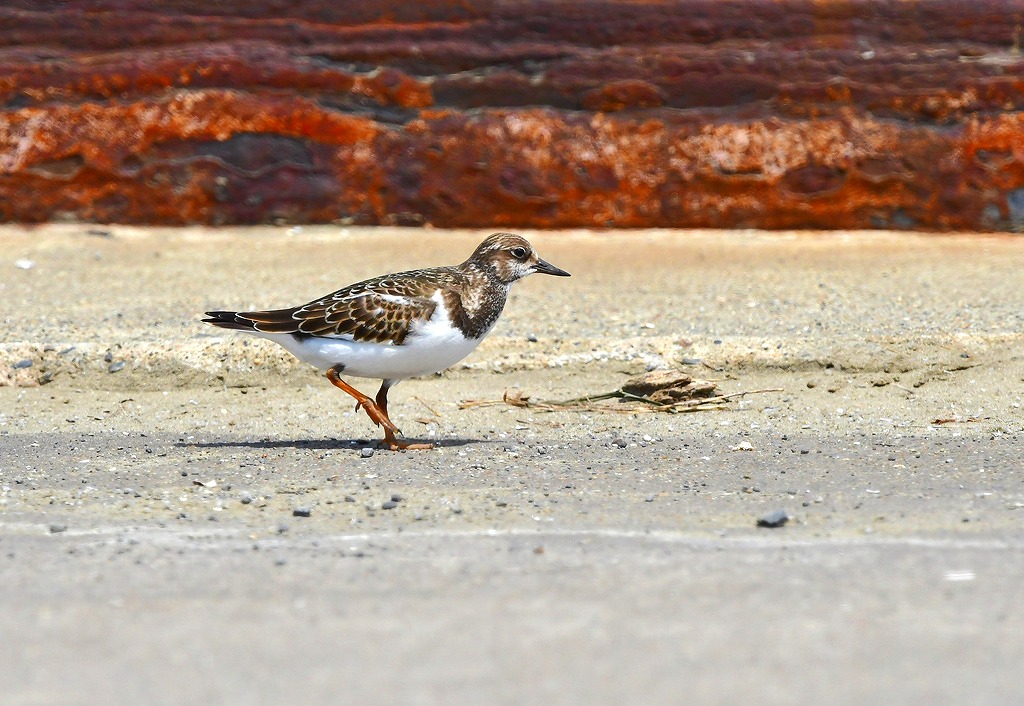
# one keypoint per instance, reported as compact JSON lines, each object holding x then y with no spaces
{"x":400,"y":325}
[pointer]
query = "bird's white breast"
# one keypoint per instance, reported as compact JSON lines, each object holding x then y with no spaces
{"x":431,"y":346}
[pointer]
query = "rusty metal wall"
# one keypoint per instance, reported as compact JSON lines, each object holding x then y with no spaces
{"x":544,"y":113}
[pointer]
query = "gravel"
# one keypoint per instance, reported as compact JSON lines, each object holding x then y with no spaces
{"x":773,"y":519}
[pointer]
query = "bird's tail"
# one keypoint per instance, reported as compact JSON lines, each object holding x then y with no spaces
{"x":229,"y":319}
{"x":274,"y":321}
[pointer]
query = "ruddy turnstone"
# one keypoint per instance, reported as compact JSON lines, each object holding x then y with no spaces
{"x":398,"y":326}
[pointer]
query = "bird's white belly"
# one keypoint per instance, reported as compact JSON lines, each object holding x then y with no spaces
{"x":430,"y":347}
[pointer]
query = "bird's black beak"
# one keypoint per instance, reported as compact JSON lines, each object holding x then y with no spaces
{"x":546,"y":268}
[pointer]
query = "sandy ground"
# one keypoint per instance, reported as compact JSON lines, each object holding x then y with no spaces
{"x":153,"y":468}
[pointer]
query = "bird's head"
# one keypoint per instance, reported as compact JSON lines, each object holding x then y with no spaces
{"x":510,"y":257}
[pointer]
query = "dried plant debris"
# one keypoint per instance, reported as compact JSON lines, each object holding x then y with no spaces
{"x":668,"y":386}
{"x":657,"y":391}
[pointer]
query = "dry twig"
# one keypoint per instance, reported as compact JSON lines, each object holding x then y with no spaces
{"x":660,"y":391}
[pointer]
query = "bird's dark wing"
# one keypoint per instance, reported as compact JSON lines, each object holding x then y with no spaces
{"x":381,"y":310}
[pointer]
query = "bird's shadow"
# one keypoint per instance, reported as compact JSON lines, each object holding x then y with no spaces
{"x":317,"y":444}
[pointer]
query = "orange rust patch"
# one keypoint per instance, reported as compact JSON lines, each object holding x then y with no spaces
{"x":779,"y":114}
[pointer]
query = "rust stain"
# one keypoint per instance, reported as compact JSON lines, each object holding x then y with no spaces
{"x":624,"y":113}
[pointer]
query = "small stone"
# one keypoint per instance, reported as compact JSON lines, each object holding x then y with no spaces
{"x":108,"y":357}
{"x":532,"y":338}
{"x":388,"y":505}
{"x":395,"y":497}
{"x":115,"y":367}
{"x":692,"y":361}
{"x":501,"y":503}
{"x":58,"y":528}
{"x":24,"y":264}
{"x":365,"y":452}
{"x":349,"y":499}
{"x":245,"y":498}
{"x":302,"y":512}
{"x":621,"y":443}
{"x":773,"y":519}
{"x":25,"y":363}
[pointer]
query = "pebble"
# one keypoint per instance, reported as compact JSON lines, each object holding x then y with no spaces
{"x":24,"y":264}
{"x":114,"y":367}
{"x":773,"y":519}
{"x":349,"y":499}
{"x":395,"y":497}
{"x":302,"y":512}
{"x":388,"y":505}
{"x":365,"y":452}
{"x":245,"y":498}
{"x":532,"y":338}
{"x":692,"y":361}
{"x":25,"y":363}
{"x":649,"y":498}
{"x":621,"y":443}
{"x":58,"y":528}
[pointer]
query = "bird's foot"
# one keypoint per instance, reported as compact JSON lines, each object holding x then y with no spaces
{"x":378,"y":417}
{"x":393,"y":443}
{"x":374,"y":416}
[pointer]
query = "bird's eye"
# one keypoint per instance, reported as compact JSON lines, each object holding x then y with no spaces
{"x":519,"y":253}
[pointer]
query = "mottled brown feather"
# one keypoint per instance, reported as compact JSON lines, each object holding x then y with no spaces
{"x":379,"y":310}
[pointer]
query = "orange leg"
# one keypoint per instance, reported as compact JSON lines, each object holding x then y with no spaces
{"x":376,"y":412}
{"x":389,"y":440}
{"x":376,"y":415}
{"x":382,"y":396}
